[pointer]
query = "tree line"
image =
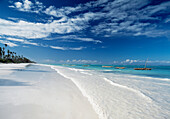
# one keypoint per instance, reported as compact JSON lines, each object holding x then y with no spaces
{"x":12,"y":57}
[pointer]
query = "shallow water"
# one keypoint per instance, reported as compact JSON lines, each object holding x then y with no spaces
{"x":157,"y":71}
{"x":120,"y":94}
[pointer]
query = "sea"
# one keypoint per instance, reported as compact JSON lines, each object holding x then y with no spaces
{"x":122,"y":93}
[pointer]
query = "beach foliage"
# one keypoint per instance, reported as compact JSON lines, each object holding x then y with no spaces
{"x":12,"y":57}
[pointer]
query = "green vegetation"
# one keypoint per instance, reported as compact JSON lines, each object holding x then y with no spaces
{"x":12,"y":57}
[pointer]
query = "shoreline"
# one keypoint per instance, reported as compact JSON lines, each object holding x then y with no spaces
{"x":39,"y":92}
{"x":121,"y":96}
{"x":56,"y":91}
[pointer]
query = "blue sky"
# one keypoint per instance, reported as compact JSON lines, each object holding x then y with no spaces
{"x":87,"y":31}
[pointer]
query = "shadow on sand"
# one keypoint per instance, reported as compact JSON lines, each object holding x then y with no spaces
{"x":7,"y":82}
{"x":28,"y":70}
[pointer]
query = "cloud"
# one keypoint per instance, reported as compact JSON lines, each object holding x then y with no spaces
{"x":103,"y":17}
{"x":130,"y":61}
{"x":28,"y":6}
{"x":137,"y":61}
{"x":58,"y":48}
{"x":79,"y":48}
{"x":10,"y":44}
{"x":48,"y":61}
{"x":80,"y":61}
{"x":167,"y":20}
{"x":18,"y":5}
{"x":21,"y":40}
{"x":74,"y":37}
{"x":38,"y":7}
{"x":25,"y":5}
{"x":32,"y":30}
{"x":131,"y":17}
{"x":159,"y":62}
{"x":67,"y":48}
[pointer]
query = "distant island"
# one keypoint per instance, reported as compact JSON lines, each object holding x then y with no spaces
{"x":12,"y":57}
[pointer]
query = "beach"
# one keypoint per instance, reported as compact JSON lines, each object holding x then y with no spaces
{"x":39,"y":91}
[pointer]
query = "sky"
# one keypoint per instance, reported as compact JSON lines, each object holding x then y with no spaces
{"x":87,"y":31}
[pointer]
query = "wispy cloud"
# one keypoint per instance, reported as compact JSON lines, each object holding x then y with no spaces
{"x":20,"y":40}
{"x":10,"y":44}
{"x":48,"y":61}
{"x":80,"y":61}
{"x":67,"y":48}
{"x":125,"y":17}
{"x":138,"y":61}
{"x":32,"y":30}
{"x":75,"y":37}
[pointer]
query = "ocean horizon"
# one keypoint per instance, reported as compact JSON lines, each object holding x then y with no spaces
{"x":158,"y":71}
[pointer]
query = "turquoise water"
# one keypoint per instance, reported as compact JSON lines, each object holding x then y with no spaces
{"x":157,"y":71}
{"x":121,"y":93}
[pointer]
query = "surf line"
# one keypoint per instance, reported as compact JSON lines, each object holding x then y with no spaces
{"x":131,"y":89}
{"x":95,"y":106}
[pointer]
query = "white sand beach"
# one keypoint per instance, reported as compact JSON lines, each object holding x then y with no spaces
{"x":55,"y":92}
{"x":39,"y":92}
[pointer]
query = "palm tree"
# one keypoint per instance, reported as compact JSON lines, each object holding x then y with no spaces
{"x":8,"y":54}
{"x":11,"y":54}
{"x":0,"y":52}
{"x":3,"y":52}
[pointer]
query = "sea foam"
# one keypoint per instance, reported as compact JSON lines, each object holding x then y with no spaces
{"x":119,"y":96}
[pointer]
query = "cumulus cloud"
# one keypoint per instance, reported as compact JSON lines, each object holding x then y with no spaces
{"x":28,"y":6}
{"x":24,"y":5}
{"x":130,"y":61}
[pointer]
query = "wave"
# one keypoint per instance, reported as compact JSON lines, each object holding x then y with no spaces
{"x":147,"y":77}
{"x":95,"y":106}
{"x":130,"y":89}
{"x":74,"y":69}
{"x":86,"y":73}
{"x":114,"y":96}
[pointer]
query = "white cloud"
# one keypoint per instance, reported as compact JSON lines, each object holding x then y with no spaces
{"x":48,"y":61}
{"x":167,"y":20}
{"x":67,"y":48}
{"x":79,"y":48}
{"x":58,"y":48}
{"x":52,"y":11}
{"x":18,"y":5}
{"x":159,"y":62}
{"x":28,"y":6}
{"x":10,"y":44}
{"x":15,"y":39}
{"x":130,"y":61}
{"x":141,"y":62}
{"x":74,"y":37}
{"x":25,"y":46}
{"x":25,"y":5}
{"x":32,"y":30}
{"x":22,"y":41}
{"x":80,"y":61}
{"x":115,"y":17}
